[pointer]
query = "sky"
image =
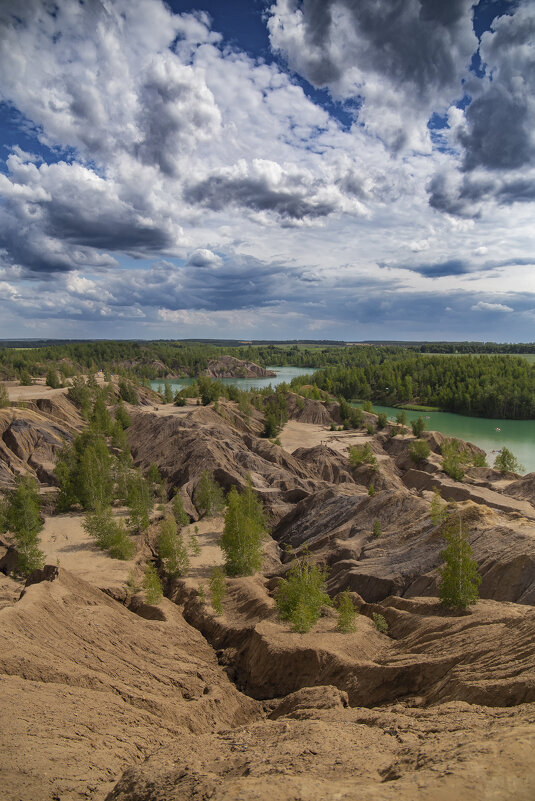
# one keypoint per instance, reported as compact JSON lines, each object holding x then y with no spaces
{"x":267,"y":169}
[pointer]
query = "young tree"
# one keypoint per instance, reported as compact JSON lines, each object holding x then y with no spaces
{"x":218,"y":589}
{"x":209,"y":496}
{"x":109,"y":534}
{"x":419,"y":450}
{"x":301,"y":596}
{"x":168,"y":393}
{"x":241,"y":540}
{"x":122,"y":415}
{"x":21,"y":516}
{"x":172,"y":550}
{"x":152,"y":585}
{"x":346,"y":614}
{"x":179,"y":513}
{"x":438,"y":509}
{"x":507,"y":462}
{"x":418,"y":426}
{"x":139,"y":502}
{"x":52,"y":379}
{"x":361,"y":454}
{"x":460,"y":579}
{"x":4,"y":397}
{"x":453,"y":457}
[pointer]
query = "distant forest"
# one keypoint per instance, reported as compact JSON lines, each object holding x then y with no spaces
{"x":497,"y":385}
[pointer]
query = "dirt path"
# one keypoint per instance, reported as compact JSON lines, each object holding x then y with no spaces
{"x":307,"y":435}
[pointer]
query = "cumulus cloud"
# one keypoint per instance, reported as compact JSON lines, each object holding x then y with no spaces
{"x":398,"y":61}
{"x":491,"y":307}
{"x":496,"y":132}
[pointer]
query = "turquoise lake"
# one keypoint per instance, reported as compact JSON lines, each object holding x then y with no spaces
{"x":491,"y":435}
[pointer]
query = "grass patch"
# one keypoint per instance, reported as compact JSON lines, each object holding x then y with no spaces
{"x":415,"y":407}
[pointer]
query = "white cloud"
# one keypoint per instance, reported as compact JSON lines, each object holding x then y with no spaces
{"x":493,"y":307}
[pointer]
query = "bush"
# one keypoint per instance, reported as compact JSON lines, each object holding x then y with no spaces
{"x":371,"y":490}
{"x":122,"y":416}
{"x":171,"y":548}
{"x":218,"y":589}
{"x":418,"y":426}
{"x":127,"y":392}
{"x":382,"y":420}
{"x":179,"y":513}
{"x":21,"y":516}
{"x":507,"y":462}
{"x":361,"y":454}
{"x":300,"y":597}
{"x":438,"y":510}
{"x":25,"y":379}
{"x":419,"y":450}
{"x":52,"y":379}
{"x":209,"y":497}
{"x":152,"y":585}
{"x":377,"y":528}
{"x":460,"y":578}
{"x":346,"y":614}
{"x":180,"y":400}
{"x":380,"y":623}
{"x":109,"y":534}
{"x":401,"y":418}
{"x":245,"y":526}
{"x":479,"y":460}
{"x":453,"y":457}
{"x":4,"y":397}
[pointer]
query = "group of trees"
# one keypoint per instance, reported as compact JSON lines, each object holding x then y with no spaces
{"x":498,"y":386}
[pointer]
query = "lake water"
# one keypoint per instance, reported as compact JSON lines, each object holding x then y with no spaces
{"x":517,"y":435}
{"x":283,"y":374}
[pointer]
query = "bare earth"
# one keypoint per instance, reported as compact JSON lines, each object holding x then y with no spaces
{"x":107,"y":697}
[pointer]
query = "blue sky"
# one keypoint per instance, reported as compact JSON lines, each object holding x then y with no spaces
{"x":345,"y":169}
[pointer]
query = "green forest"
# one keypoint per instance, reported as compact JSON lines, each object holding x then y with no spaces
{"x":469,"y":378}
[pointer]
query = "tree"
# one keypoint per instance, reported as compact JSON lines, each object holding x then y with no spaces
{"x":301,"y":596}
{"x":109,"y":534}
{"x":122,"y":415}
{"x":52,"y":379}
{"x":507,"y":462}
{"x":139,"y":502}
{"x":418,"y":426}
{"x":361,"y":454}
{"x":419,"y":450}
{"x":401,"y":418}
{"x":100,"y":418}
{"x":209,"y":497}
{"x":453,"y":457}
{"x":460,"y":579}
{"x":245,"y":526}
{"x":21,"y":516}
{"x":25,"y":379}
{"x":4,"y":397}
{"x":218,"y":589}
{"x":346,"y":614}
{"x":382,"y":420}
{"x":152,"y":585}
{"x":168,"y":393}
{"x":179,"y":513}
{"x":172,"y":550}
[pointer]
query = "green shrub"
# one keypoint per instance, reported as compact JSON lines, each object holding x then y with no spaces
{"x":371,"y":490}
{"x":245,"y":526}
{"x":459,"y":576}
{"x":453,"y":458}
{"x":507,"y":462}
{"x":122,"y":416}
{"x":25,"y":379}
{"x":109,"y":534}
{"x":419,"y":450}
{"x":21,"y":515}
{"x":346,"y":614}
{"x":438,"y":510}
{"x":209,"y":497}
{"x":380,"y":623}
{"x":4,"y":397}
{"x":401,"y":418}
{"x":479,"y":460}
{"x":361,"y":454}
{"x":382,"y":420}
{"x":418,"y":426}
{"x":172,"y":550}
{"x":377,"y":528}
{"x":179,"y":513}
{"x":300,"y":596}
{"x":218,"y":589}
{"x":52,"y":379}
{"x":152,"y":585}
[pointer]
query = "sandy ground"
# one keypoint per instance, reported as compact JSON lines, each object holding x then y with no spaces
{"x":307,"y":435}
{"x":168,"y":409}
{"x":34,"y":392}
{"x":208,"y":533}
{"x":64,"y":540}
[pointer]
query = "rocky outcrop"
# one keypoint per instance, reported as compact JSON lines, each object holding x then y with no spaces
{"x":230,"y":367}
{"x":30,"y":438}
